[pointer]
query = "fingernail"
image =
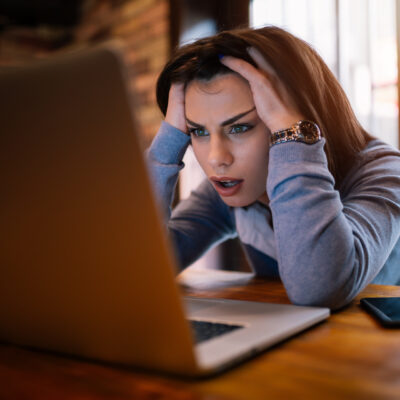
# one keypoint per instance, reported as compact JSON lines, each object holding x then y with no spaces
{"x":220,"y":56}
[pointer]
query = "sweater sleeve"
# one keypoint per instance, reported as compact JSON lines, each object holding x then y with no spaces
{"x":329,"y":248}
{"x":165,"y":161}
{"x":198,"y":222}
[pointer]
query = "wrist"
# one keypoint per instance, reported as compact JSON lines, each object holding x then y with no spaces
{"x":304,"y":131}
{"x":176,"y":124}
{"x":284,"y":122}
{"x":169,"y":145}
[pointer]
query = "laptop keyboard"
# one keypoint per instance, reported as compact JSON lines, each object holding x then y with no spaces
{"x":203,"y":330}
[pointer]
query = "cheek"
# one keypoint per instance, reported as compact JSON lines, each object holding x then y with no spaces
{"x":255,"y":160}
{"x":200,"y":151}
{"x":255,"y":153}
{"x":260,"y":168}
{"x":260,"y":151}
{"x":261,"y":157}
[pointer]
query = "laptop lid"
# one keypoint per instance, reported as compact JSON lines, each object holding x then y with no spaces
{"x":81,"y":242}
{"x":86,"y":266}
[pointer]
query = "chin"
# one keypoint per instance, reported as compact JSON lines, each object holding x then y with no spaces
{"x":237,"y":202}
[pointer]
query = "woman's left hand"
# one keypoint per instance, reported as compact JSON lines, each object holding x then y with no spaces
{"x":270,"y":107}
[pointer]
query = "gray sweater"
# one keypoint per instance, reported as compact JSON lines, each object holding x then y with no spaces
{"x":325,"y":245}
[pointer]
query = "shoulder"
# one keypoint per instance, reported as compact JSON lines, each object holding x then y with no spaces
{"x":377,"y":149}
{"x":378,"y":164}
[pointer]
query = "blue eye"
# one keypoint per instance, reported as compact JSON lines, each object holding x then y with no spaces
{"x":198,"y":132}
{"x":241,"y":128}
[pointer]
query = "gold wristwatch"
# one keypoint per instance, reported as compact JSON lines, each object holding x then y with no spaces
{"x":302,"y":131}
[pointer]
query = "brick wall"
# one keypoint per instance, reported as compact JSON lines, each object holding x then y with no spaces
{"x":143,"y":27}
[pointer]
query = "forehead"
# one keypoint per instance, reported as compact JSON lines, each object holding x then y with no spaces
{"x":222,"y":97}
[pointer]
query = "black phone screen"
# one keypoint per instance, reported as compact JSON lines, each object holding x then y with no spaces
{"x":386,"y":309}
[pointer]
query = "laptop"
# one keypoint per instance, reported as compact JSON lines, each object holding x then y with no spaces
{"x":86,"y":265}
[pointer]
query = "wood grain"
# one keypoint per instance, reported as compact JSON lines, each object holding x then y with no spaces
{"x":350,"y":356}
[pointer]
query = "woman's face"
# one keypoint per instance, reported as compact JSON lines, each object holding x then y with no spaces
{"x":230,"y":141}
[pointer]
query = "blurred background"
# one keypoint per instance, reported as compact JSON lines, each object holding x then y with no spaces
{"x":358,"y":39}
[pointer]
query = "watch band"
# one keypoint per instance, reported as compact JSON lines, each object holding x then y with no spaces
{"x":302,"y":131}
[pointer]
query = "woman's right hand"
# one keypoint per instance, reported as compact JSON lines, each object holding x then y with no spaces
{"x":175,"y":115}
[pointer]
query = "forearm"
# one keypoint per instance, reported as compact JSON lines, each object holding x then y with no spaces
{"x":165,"y":161}
{"x":198,"y":222}
{"x":327,"y":250}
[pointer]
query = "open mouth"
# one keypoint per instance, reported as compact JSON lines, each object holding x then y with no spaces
{"x":228,"y":184}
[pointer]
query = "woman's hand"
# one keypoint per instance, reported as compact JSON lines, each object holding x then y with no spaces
{"x":175,"y":115}
{"x":273,"y":110}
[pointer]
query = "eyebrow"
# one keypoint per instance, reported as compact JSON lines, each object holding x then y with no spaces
{"x":227,"y":122}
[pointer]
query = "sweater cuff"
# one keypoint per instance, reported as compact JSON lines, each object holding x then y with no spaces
{"x":295,"y":152}
{"x":170,"y":144}
{"x":291,"y":159}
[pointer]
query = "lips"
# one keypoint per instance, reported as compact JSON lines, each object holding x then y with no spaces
{"x":226,"y":186}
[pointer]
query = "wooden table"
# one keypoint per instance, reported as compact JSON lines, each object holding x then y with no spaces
{"x":348,"y":357}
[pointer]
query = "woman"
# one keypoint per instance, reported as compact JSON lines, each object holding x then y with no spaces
{"x":314,"y":198}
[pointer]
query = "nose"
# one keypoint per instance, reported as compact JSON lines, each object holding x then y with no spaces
{"x":219,"y":154}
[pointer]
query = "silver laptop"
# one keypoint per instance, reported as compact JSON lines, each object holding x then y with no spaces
{"x":86,"y":267}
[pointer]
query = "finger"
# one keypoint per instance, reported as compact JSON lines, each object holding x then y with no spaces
{"x":176,"y":91}
{"x":261,"y":61}
{"x":243,"y":68}
{"x":175,"y":114}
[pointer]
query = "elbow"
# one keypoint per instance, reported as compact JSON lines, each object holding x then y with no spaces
{"x":333,"y":301}
{"x":329,"y":287}
{"x":333,"y":286}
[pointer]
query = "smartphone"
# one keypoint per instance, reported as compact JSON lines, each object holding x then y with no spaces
{"x":385,"y":309}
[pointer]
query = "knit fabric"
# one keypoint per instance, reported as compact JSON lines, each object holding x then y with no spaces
{"x":325,"y":245}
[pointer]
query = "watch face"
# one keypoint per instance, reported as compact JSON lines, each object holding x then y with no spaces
{"x":309,"y":131}
{"x":303,"y":131}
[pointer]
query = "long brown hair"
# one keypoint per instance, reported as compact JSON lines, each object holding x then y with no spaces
{"x":297,"y":72}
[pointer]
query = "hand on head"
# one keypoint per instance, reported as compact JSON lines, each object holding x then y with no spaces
{"x":274,"y":110}
{"x":175,"y":115}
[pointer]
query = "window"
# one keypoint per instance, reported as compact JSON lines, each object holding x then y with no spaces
{"x":357,"y":40}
